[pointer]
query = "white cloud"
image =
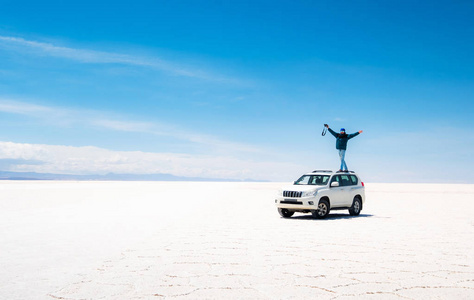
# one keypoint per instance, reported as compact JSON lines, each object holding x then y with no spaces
{"x":102,"y":57}
{"x":94,"y":160}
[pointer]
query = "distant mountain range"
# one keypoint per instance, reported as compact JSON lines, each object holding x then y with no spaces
{"x":110,"y":177}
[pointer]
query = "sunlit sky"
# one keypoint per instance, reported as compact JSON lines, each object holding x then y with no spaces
{"x":238,"y":89}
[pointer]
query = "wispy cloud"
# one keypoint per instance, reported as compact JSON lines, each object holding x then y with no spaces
{"x":107,"y":120}
{"x":124,"y":125}
{"x":15,"y":107}
{"x":102,"y":57}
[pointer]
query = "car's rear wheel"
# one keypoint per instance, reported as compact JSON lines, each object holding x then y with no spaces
{"x":322,"y":211}
{"x":356,"y":207}
{"x":285,"y":213}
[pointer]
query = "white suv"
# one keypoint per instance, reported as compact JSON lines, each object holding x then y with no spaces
{"x":319,"y":192}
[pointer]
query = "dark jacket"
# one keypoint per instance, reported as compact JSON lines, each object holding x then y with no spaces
{"x":341,"y":139}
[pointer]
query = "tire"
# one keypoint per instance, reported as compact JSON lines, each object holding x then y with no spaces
{"x":356,"y":207}
{"x":322,"y":211}
{"x":285,"y":213}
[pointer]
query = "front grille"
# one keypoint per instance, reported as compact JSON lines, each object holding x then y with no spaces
{"x":292,"y":194}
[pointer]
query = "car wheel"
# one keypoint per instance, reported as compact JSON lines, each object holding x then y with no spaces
{"x":322,"y":211}
{"x":285,"y":213}
{"x":356,"y":207}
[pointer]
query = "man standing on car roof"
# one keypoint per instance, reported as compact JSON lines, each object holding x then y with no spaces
{"x":341,"y":144}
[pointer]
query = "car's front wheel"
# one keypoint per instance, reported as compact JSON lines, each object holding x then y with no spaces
{"x":356,"y":207}
{"x":322,"y":211}
{"x":285,"y":213}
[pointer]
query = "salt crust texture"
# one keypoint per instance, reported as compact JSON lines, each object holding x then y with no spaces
{"x":152,"y":240}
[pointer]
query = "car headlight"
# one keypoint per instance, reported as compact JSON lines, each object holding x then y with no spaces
{"x":309,"y":193}
{"x":280,"y":193}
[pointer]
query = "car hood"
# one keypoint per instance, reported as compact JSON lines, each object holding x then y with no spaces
{"x":302,"y":188}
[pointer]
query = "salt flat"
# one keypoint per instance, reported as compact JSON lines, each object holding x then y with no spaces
{"x":152,"y":240}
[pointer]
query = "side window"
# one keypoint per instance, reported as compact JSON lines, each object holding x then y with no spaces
{"x":345,"y":180}
{"x":354,"y":180}
{"x":336,"y":178}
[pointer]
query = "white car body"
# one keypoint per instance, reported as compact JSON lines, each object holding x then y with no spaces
{"x":307,"y":197}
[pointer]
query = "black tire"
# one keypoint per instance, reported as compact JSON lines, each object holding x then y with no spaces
{"x":356,"y":207}
{"x":322,"y":211}
{"x":285,"y":213}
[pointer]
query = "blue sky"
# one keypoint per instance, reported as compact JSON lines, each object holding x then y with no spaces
{"x":238,"y":89}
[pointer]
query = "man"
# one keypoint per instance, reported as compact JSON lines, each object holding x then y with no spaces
{"x":341,"y":144}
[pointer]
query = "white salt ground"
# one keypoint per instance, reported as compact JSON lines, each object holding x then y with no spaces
{"x":152,"y":240}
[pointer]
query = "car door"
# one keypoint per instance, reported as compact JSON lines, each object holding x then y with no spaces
{"x":338,"y":193}
{"x":346,"y":199}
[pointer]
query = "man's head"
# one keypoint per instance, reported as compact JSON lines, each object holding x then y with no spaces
{"x":343,"y":131}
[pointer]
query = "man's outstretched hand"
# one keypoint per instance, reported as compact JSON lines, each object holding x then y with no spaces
{"x":360,"y":131}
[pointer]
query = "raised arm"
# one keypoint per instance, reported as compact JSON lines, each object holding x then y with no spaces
{"x":350,"y":136}
{"x":332,"y":132}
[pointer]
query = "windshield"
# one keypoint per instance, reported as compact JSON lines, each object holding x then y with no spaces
{"x":313,"y":180}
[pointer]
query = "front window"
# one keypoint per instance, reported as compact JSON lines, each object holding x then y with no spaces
{"x":313,"y":180}
{"x":345,"y":180}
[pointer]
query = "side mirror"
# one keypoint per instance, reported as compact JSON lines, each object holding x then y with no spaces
{"x":334,"y":184}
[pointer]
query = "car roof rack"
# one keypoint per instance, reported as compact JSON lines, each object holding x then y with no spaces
{"x":345,"y":172}
{"x":325,"y":171}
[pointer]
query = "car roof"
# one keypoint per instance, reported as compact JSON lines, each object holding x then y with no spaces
{"x":329,"y":172}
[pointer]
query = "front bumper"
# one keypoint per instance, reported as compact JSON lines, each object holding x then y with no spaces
{"x":297,"y":204}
